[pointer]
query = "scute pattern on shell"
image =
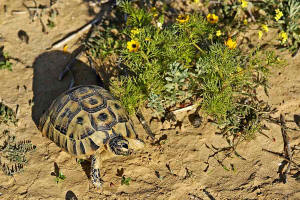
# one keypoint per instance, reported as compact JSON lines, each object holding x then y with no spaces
{"x":82,"y":119}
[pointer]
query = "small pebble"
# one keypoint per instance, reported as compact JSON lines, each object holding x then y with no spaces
{"x":195,"y":120}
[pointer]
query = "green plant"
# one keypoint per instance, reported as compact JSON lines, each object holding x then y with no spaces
{"x":13,"y":153}
{"x":125,"y":181}
{"x":229,"y":81}
{"x":283,"y":15}
{"x":177,"y":88}
{"x":60,"y":177}
{"x":52,"y":15}
{"x":50,"y":23}
{"x":103,"y":44}
{"x":158,"y":60}
{"x":4,"y":61}
{"x":7,"y":114}
{"x":79,"y":161}
{"x":170,"y":65}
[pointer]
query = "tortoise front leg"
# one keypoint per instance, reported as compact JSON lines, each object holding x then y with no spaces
{"x":95,"y":171}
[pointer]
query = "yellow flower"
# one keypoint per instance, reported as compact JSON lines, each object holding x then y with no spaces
{"x":212,"y":18}
{"x":283,"y":36}
{"x":245,"y":21}
{"x":230,"y":43}
{"x":260,"y":34}
{"x":244,"y":3}
{"x":265,"y":28}
{"x":153,"y":9}
{"x":218,"y":33}
{"x":182,"y":18}
{"x":133,"y":46}
{"x":135,"y":31}
{"x":279,"y":14}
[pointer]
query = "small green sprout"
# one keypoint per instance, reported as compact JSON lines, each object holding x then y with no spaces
{"x":50,"y":24}
{"x":60,"y":177}
{"x":4,"y":62}
{"x":79,"y":161}
{"x":125,"y":181}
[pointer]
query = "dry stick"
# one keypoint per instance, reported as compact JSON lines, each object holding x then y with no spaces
{"x":188,"y":108}
{"x":18,"y":12}
{"x":279,"y":155}
{"x":65,"y":40}
{"x":107,"y":7}
{"x":287,"y":146}
{"x":145,"y":124}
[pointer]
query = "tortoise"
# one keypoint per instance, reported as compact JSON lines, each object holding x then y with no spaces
{"x":89,"y":123}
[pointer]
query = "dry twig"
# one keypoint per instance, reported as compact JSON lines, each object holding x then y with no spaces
{"x":281,"y":156}
{"x":287,"y":155}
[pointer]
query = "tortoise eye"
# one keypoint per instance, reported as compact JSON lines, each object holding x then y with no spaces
{"x":79,"y":120}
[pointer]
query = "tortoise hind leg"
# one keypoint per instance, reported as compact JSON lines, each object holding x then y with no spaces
{"x":95,"y":171}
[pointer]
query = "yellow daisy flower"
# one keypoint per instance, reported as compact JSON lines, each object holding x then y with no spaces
{"x":245,"y":21}
{"x":218,"y":33}
{"x":260,"y":34}
{"x":230,"y":43}
{"x":133,"y":46}
{"x":182,"y":18}
{"x":212,"y":18}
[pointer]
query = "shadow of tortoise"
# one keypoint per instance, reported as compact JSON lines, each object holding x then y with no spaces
{"x":47,"y":87}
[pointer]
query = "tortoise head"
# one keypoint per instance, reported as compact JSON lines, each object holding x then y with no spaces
{"x":119,"y":146}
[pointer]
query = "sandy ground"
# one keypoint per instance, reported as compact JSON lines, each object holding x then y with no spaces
{"x":173,"y":169}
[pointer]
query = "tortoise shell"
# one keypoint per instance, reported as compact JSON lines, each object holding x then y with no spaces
{"x":83,"y":119}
